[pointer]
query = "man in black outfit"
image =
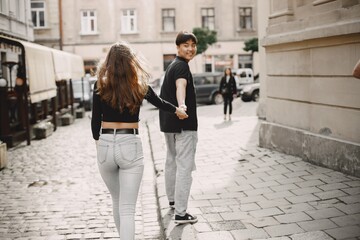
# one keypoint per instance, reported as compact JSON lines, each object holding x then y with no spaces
{"x":180,"y":135}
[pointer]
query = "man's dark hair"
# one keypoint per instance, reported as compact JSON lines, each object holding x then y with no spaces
{"x":184,"y":36}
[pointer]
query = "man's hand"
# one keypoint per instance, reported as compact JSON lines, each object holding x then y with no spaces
{"x":180,"y":113}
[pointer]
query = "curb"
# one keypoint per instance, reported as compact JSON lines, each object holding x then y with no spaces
{"x":166,"y":215}
{"x":159,"y":217}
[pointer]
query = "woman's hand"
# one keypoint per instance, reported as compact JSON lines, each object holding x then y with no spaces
{"x":180,"y":113}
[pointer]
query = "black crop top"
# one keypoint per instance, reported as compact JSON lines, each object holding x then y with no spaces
{"x":104,"y":112}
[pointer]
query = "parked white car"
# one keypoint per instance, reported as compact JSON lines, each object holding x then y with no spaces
{"x":250,"y":92}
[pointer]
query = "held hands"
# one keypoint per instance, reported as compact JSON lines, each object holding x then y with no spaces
{"x":180,"y":112}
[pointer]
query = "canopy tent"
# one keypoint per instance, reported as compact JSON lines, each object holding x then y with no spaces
{"x":67,"y":65}
{"x":41,"y":72}
{"x":46,"y":65}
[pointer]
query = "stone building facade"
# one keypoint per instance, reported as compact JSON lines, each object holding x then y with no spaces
{"x":89,"y":27}
{"x":310,"y":101}
{"x":15,"y":19}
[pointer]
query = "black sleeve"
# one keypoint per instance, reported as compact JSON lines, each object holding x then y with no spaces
{"x":234,"y":84}
{"x":182,"y":71}
{"x":155,"y":100}
{"x":220,"y":87}
{"x":96,"y":114}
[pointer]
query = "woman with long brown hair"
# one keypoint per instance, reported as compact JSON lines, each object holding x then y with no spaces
{"x":118,"y":94}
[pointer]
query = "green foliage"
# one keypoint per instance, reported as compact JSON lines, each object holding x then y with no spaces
{"x":205,"y":38}
{"x":251,"y":45}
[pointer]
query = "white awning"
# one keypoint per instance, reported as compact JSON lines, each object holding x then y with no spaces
{"x":67,"y":65}
{"x":45,"y":65}
{"x":40,"y":69}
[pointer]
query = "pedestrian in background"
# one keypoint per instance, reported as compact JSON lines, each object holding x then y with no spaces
{"x":228,"y":91}
{"x":119,"y":91}
{"x":180,"y":135}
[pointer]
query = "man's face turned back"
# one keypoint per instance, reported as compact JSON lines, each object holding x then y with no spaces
{"x":187,"y":50}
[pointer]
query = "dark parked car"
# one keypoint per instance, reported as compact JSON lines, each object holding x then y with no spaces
{"x":207,"y":87}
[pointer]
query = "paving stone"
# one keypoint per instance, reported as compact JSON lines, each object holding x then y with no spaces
{"x":284,"y":187}
{"x":302,"y":198}
{"x":283,"y":229}
{"x":277,"y":195}
{"x":317,"y":225}
{"x":350,"y":199}
{"x":245,"y":234}
{"x":347,"y":220}
{"x":317,"y":235}
{"x":223,"y":235}
{"x":226,"y":225}
{"x":202,"y":227}
{"x":348,"y":208}
{"x":292,"y":217}
{"x":259,"y":191}
{"x":266,"y":212}
{"x":325,"y":213}
{"x":344,"y":232}
{"x":261,"y":222}
{"x":330,"y":194}
{"x":273,"y":203}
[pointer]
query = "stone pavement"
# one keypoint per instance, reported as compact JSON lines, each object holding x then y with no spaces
{"x":242,"y":191}
{"x":52,"y":190}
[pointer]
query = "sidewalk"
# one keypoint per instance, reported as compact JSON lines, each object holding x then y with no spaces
{"x":242,"y":191}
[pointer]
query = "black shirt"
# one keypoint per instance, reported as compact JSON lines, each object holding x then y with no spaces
{"x":104,"y":112}
{"x":179,"y":68}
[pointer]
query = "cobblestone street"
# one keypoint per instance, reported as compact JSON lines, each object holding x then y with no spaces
{"x":52,"y":188}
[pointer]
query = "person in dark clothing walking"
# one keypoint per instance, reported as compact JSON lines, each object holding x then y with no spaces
{"x":228,"y":91}
{"x":180,"y":135}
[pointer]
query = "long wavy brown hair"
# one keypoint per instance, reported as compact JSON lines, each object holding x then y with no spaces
{"x":122,"y":78}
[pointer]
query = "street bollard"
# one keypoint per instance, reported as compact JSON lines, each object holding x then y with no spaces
{"x":3,"y":155}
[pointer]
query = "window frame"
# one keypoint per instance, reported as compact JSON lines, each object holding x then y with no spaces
{"x":169,"y":17}
{"x":206,"y":19}
{"x":129,"y":20}
{"x":38,"y":11}
{"x":4,"y":7}
{"x":245,"y":61}
{"x":244,"y":17}
{"x":88,"y":22}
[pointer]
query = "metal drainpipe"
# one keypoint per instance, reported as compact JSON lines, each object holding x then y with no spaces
{"x":60,"y":26}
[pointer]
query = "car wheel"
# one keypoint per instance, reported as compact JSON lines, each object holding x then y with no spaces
{"x":218,"y":98}
{"x":255,"y":96}
{"x":245,"y":99}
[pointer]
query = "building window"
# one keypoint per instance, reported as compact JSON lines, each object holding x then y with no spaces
{"x":168,"y":20}
{"x":245,"y":61}
{"x":208,"y":18}
{"x":128,"y":21}
{"x":88,"y":22}
{"x":168,"y":58}
{"x":245,"y":17}
{"x":38,"y":13}
{"x":3,"y":6}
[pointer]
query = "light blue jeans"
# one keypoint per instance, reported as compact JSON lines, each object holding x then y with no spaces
{"x":180,"y":162}
{"x":120,"y":160}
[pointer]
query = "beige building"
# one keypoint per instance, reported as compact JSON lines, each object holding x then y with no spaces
{"x":15,"y":19}
{"x":89,"y":27}
{"x":15,"y":22}
{"x":309,"y":99}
